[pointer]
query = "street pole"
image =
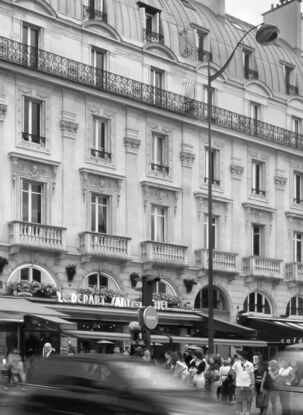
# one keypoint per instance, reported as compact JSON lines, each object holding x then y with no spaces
{"x":265,"y":35}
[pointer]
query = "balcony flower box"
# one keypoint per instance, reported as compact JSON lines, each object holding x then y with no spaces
{"x":32,"y":289}
{"x":108,"y":294}
{"x":172,"y":300}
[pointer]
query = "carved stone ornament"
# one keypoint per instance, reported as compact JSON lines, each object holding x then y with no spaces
{"x":160,"y":194}
{"x":69,"y":128}
{"x":219,"y":207}
{"x":295,"y":222}
{"x":236,"y":171}
{"x":3,"y":110}
{"x":258,"y":214}
{"x":280,"y":182}
{"x":187,"y":158}
{"x":132,"y":145}
{"x":100,"y":183}
{"x":32,"y":168}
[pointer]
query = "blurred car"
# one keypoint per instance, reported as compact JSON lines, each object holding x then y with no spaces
{"x":293,"y":355}
{"x":100,"y":384}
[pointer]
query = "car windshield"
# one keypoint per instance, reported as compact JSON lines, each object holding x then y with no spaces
{"x":145,"y":376}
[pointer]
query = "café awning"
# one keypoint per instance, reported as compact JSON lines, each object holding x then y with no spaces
{"x":102,"y":335}
{"x":14,"y":309}
{"x":275,"y":330}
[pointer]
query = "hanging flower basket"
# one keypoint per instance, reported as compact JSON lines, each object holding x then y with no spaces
{"x":134,"y":277}
{"x":71,"y":270}
{"x":103,"y":292}
{"x":3,"y":262}
{"x":189,"y":284}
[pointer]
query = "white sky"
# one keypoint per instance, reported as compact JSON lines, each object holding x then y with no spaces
{"x":249,"y":10}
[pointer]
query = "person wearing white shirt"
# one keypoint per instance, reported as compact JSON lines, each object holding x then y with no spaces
{"x":243,"y":370}
{"x":286,"y":375}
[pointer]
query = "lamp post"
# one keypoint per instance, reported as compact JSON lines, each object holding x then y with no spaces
{"x":266,"y":34}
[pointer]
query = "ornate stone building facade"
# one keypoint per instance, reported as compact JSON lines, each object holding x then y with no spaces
{"x":103,"y":156}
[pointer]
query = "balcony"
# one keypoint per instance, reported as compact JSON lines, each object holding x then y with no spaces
{"x":262,"y":267}
{"x":204,"y":55}
{"x":101,"y":154}
{"x":104,"y":245}
{"x":225,"y":262}
{"x":150,"y":36}
{"x":36,"y":235}
{"x":100,"y":80}
{"x":292,"y":89}
{"x":163,"y":253}
{"x":294,"y":271}
{"x":93,"y":14}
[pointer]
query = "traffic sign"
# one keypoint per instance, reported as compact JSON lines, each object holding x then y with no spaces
{"x":150,"y":317}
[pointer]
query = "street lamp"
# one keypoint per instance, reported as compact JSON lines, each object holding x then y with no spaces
{"x":266,"y":34}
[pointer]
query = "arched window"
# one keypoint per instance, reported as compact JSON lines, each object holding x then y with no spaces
{"x":295,"y":306}
{"x":165,"y":292}
{"x":219,"y":299}
{"x":99,"y":281}
{"x":31,"y":280}
{"x":257,"y":303}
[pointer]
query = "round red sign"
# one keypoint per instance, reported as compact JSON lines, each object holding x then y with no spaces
{"x":150,"y":317}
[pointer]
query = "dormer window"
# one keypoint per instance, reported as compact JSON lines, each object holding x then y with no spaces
{"x":95,"y":10}
{"x":249,"y":64}
{"x":203,"y":46}
{"x":290,"y":81}
{"x":150,"y":19}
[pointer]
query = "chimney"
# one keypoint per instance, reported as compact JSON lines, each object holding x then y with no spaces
{"x":286,"y":15}
{"x":217,"y":6}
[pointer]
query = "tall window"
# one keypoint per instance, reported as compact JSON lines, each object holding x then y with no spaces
{"x":298,"y":188}
{"x":32,"y":201}
{"x":159,"y":153}
{"x":255,"y":115}
{"x":257,"y":303}
{"x":150,"y":18}
{"x":214,"y":231}
{"x":297,"y":128}
{"x":205,"y":94}
{"x":160,"y":287}
{"x":246,"y":55}
{"x":158,"y":223}
{"x":289,"y":72}
{"x":97,"y":60}
{"x":257,"y":240}
{"x":95,"y":10}
{"x":30,"y":39}
{"x":202,"y":45}
{"x":298,"y":247}
{"x":99,"y":213}
{"x":156,"y":78}
{"x":258,"y":178}
{"x":32,"y":121}
{"x":101,"y":145}
{"x":295,"y":306}
{"x":215,"y":166}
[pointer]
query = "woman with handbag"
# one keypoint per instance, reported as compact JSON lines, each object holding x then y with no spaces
{"x":198,"y":370}
{"x":268,"y":386}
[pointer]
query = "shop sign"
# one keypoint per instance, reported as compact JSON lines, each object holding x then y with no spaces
{"x":99,"y":300}
{"x":291,"y":340}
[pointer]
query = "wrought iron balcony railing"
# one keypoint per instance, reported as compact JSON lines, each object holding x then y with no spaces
{"x":258,"y":192}
{"x":250,"y":73}
{"x":292,"y":89}
{"x":216,"y":182}
{"x":204,"y":55}
{"x":91,"y":14}
{"x":33,"y":138}
{"x":99,"y":79}
{"x":160,"y":167}
{"x":298,"y":201}
{"x":153,"y":37}
{"x":101,"y":154}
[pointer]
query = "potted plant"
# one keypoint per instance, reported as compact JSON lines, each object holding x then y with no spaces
{"x":32,"y":289}
{"x":71,"y":270}
{"x":172,"y":300}
{"x":108,"y":294}
{"x":134,"y":277}
{"x":3,"y":262}
{"x":189,"y":284}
